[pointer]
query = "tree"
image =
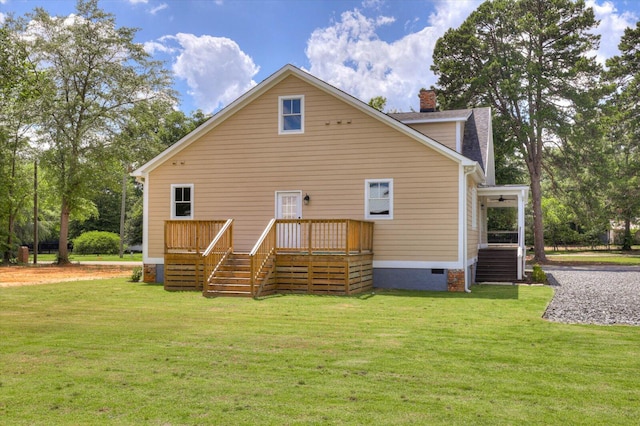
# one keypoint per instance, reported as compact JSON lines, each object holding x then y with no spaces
{"x":379,"y":102}
{"x":95,"y":74}
{"x":624,"y":132}
{"x":17,"y":78}
{"x":528,"y":60}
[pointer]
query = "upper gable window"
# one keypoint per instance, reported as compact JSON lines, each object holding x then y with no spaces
{"x":378,"y":199}
{"x":182,"y":201}
{"x":291,"y":114}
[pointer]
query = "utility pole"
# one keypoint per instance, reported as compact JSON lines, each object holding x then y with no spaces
{"x":35,"y":212}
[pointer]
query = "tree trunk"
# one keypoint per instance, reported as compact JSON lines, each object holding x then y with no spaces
{"x":63,"y":252}
{"x":626,"y":240}
{"x":538,"y":225}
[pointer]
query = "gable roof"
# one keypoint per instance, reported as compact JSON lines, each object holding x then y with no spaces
{"x":270,"y":82}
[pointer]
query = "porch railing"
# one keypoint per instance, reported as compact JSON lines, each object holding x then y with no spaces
{"x":218,"y":250}
{"x":324,"y":236}
{"x":190,"y":235}
{"x":264,"y":249}
{"x":502,"y":237}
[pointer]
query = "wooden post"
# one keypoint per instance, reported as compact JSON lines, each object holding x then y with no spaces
{"x":346,"y":245}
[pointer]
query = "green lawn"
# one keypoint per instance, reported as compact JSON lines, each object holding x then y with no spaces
{"x":46,"y":257}
{"x":115,"y":352}
{"x":617,"y":257}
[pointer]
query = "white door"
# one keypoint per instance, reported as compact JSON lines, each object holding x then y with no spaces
{"x":289,"y":206}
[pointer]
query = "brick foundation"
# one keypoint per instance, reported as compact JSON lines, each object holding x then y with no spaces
{"x":455,"y":280}
{"x":149,"y":273}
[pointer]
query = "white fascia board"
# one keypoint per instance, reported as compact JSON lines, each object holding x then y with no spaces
{"x":436,"y":120}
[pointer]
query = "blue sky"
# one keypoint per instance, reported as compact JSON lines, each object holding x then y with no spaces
{"x":218,"y":49}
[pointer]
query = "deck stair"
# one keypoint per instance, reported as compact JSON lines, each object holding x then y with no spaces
{"x":233,"y":278}
{"x":497,"y":265}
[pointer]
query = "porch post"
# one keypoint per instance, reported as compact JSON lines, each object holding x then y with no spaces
{"x":521,"y":243}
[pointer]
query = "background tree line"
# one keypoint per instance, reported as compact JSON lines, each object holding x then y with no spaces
{"x":571,"y":123}
{"x":86,"y":104}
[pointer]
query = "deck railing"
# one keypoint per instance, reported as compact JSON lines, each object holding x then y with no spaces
{"x":502,"y":237}
{"x":324,"y":236}
{"x":220,"y":247}
{"x":264,"y":249}
{"x":190,"y":235}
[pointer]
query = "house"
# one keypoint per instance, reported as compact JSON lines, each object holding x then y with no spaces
{"x":296,"y":167}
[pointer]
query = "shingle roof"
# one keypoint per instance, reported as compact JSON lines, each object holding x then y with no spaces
{"x":476,"y":130}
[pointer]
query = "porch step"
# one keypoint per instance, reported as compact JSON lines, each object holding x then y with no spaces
{"x":497,"y":265}
{"x":233,"y":278}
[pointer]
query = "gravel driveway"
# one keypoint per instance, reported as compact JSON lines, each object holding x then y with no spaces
{"x":594,"y":294}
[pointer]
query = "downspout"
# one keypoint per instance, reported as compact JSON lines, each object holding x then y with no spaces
{"x":465,"y":229}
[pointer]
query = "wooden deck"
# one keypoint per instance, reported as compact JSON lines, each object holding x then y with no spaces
{"x":330,"y":256}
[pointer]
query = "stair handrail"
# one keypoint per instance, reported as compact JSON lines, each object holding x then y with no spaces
{"x":218,"y":250}
{"x":264,"y":248}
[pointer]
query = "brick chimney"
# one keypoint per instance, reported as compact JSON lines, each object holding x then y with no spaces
{"x":427,"y":100}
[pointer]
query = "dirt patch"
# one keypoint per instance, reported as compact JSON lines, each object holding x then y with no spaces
{"x":11,"y":276}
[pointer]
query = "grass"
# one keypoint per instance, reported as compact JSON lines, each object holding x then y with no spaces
{"x":616,"y":257}
{"x":115,"y":352}
{"x":52,"y":257}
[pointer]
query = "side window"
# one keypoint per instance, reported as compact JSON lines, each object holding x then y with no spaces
{"x":291,"y":114}
{"x":378,"y":201}
{"x":182,"y":201}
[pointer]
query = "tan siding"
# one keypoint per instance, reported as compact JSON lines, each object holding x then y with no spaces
{"x":237,"y":167}
{"x":472,"y":234}
{"x":445,"y":133}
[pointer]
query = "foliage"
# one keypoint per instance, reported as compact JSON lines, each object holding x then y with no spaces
{"x":378,"y":102}
{"x":136,"y":274}
{"x":17,"y":78}
{"x":97,"y":242}
{"x":624,"y":132}
{"x":528,"y":60}
{"x":106,"y":352}
{"x":95,"y":75}
{"x":538,"y":275}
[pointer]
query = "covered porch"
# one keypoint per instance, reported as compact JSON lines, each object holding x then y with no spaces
{"x":502,"y":252}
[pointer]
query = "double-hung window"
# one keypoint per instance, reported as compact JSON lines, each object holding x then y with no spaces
{"x":291,"y":114}
{"x":182,"y":201}
{"x":378,"y":199}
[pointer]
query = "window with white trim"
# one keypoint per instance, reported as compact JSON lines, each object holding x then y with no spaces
{"x":182,"y":201}
{"x":378,"y":201}
{"x":291,"y":114}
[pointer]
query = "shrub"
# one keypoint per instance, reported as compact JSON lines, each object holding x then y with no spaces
{"x":538,"y":275}
{"x":97,"y":242}
{"x":136,"y":274}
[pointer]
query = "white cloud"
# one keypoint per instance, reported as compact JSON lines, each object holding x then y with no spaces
{"x":216,"y":70}
{"x":2,"y":17}
{"x":153,"y":47}
{"x":350,"y":54}
{"x":611,"y":27}
{"x":158,"y":8}
{"x":138,"y":1}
